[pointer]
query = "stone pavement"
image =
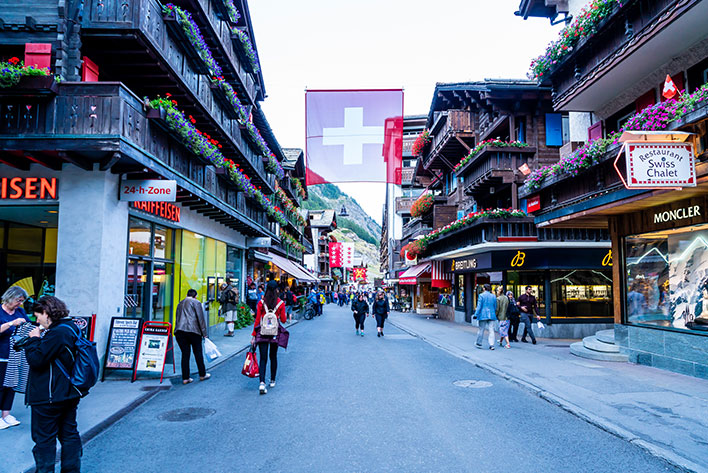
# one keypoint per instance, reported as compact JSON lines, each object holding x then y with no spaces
{"x":110,"y":400}
{"x":663,"y":412}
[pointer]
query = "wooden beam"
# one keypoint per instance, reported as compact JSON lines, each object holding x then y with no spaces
{"x":46,"y":161}
{"x":463,"y":143}
{"x":17,"y":163}
{"x":108,"y":162}
{"x":76,"y":160}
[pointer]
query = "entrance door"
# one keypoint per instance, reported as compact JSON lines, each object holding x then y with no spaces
{"x":161,"y":295}
{"x":137,"y":295}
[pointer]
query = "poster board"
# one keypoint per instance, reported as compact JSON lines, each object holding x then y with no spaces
{"x":86,"y":324}
{"x":152,"y":351}
{"x":122,"y":344}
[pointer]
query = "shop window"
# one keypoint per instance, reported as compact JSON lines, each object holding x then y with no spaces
{"x":24,"y":238}
{"x":140,"y":237}
{"x":666,"y":277}
{"x":581,"y":293}
{"x":163,"y":242}
{"x":234,"y":264}
{"x":461,"y":291}
{"x":518,"y":280}
{"x":2,"y":236}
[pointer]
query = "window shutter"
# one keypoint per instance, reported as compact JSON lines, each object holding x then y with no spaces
{"x":646,"y":100}
{"x":554,"y":129}
{"x":595,"y":131}
{"x":38,"y":55}
{"x":89,"y":71}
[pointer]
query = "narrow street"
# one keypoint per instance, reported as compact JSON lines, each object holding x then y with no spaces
{"x":352,"y":404}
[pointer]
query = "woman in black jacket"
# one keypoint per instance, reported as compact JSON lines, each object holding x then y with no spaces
{"x":54,"y":400}
{"x":360,"y":308}
{"x":380,"y":310}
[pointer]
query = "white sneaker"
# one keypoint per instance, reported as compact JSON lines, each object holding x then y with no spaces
{"x":262,"y":389}
{"x":272,"y":384}
{"x":11,"y":421}
{"x":3,"y":425}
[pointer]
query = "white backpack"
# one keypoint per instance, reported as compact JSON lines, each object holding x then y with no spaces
{"x":269,"y":321}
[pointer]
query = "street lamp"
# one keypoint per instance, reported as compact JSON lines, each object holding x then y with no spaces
{"x":343,"y":212}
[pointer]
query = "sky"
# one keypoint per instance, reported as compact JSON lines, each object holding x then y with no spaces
{"x":409,"y":44}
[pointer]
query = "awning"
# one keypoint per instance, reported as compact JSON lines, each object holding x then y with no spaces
{"x":440,"y":278}
{"x":262,"y":257}
{"x":292,"y":268}
{"x":412,"y":275}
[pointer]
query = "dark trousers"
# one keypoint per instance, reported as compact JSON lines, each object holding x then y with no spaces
{"x":514,"y":331}
{"x":380,"y":319}
{"x":190,"y":341}
{"x":7,"y":396}
{"x":528,"y":327}
{"x":50,"y":421}
{"x":359,"y":320}
{"x":319,"y":309}
{"x":264,"y":348}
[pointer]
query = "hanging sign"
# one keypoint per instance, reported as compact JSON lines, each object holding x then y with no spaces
{"x":148,"y":190}
{"x":154,"y":341}
{"x":159,"y":209}
{"x":122,"y":343}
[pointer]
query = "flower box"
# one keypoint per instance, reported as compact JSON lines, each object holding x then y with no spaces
{"x":221,"y":97}
{"x":33,"y":86}
{"x":178,"y":33}
{"x":239,"y":36}
{"x":462,"y":170}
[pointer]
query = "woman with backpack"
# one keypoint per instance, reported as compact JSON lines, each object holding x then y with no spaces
{"x":360,"y":309}
{"x":51,"y":395}
{"x":270,"y":312}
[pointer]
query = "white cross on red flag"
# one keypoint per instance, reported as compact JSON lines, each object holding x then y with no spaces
{"x":335,"y":255}
{"x":354,"y":136}
{"x":670,"y":89}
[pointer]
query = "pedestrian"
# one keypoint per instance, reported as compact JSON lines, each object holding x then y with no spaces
{"x":190,"y":330}
{"x":502,"y":308}
{"x":252,"y":297}
{"x":360,"y":309}
{"x":268,"y":344}
{"x":228,"y":298}
{"x":290,"y":299}
{"x":261,"y":291}
{"x":512,"y":313}
{"x":12,"y":315}
{"x":380,"y":311}
{"x":321,"y":300}
{"x":527,"y":305}
{"x":50,"y":394}
{"x":486,"y":314}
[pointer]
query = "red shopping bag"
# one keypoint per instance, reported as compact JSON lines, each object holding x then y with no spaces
{"x":250,"y":366}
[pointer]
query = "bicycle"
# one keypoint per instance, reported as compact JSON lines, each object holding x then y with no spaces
{"x":309,"y":312}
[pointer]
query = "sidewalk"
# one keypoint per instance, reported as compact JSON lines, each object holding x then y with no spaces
{"x":110,"y":400}
{"x":665,"y":413}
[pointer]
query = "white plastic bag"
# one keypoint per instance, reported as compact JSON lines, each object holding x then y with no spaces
{"x":210,"y":350}
{"x":540,"y":325}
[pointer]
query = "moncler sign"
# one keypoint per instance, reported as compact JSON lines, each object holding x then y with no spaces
{"x":677,"y":214}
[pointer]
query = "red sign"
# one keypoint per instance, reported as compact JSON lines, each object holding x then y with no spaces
{"x":533,"y":204}
{"x":359,"y":274}
{"x":161,"y":209}
{"x":335,"y":255}
{"x":28,"y":188}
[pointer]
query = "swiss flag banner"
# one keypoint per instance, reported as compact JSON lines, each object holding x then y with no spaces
{"x":335,"y":255}
{"x":670,"y":89}
{"x":354,"y":136}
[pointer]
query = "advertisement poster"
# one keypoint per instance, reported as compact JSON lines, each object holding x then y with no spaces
{"x":688,"y":278}
{"x":123,"y":343}
{"x":153,"y":348}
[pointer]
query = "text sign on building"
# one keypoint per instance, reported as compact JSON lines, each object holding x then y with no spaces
{"x":148,"y":190}
{"x":533,"y":204}
{"x":662,"y":164}
{"x":31,"y":188}
{"x":160,"y":209}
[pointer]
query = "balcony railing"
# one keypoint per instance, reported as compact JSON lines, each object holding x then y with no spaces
{"x":494,"y":167}
{"x":448,"y":126}
{"x":403,"y":204}
{"x":407,"y":176}
{"x":415,"y":227}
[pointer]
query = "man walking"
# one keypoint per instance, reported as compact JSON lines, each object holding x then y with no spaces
{"x":228,"y":298}
{"x":486,"y":314}
{"x":527,"y":304}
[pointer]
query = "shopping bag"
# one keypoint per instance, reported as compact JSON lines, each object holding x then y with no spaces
{"x":250,"y":366}
{"x":210,"y":350}
{"x":540,"y":325}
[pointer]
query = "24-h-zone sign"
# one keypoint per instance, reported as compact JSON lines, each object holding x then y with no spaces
{"x":354,"y":135}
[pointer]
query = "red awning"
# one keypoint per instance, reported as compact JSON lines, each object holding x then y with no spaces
{"x":412,"y":275}
{"x":440,"y":278}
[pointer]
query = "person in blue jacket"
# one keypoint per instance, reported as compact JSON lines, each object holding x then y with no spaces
{"x":486,"y":314}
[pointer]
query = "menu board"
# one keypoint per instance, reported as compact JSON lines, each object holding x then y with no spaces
{"x":85,"y":324}
{"x":122,"y":343}
{"x":153,"y":347}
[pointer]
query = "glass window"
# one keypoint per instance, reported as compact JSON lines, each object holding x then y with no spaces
{"x":581,"y":293}
{"x":162,"y":292}
{"x":139,"y":241}
{"x":24,"y":238}
{"x":667,"y":278}
{"x":461,"y":290}
{"x":2,"y":235}
{"x":234,"y":263}
{"x":164,"y":238}
{"x":518,"y":280}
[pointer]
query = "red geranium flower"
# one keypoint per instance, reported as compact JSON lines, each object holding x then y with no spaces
{"x":13,"y":60}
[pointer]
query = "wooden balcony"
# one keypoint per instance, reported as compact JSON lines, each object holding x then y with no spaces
{"x":416,"y":227}
{"x":493,"y":167}
{"x":403,"y":204}
{"x":408,"y":176}
{"x":132,"y":44}
{"x":104,"y":123}
{"x":452,"y":138}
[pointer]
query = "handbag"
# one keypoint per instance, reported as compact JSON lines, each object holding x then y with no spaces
{"x":283,"y":337}
{"x":250,"y":366}
{"x":210,"y":350}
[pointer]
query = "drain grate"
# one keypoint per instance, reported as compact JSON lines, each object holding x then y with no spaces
{"x":472,"y":383}
{"x":186,"y":414}
{"x":558,"y":346}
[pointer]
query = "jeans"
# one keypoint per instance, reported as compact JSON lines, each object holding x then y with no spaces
{"x":359,"y":321}
{"x":486,"y":325}
{"x":50,"y":421}
{"x":380,"y":320}
{"x":264,"y":347}
{"x":190,"y":341}
{"x":528,"y":327}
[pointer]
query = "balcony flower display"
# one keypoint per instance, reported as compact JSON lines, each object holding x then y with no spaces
{"x":273,"y":166}
{"x":298,"y":186}
{"x":583,"y":26}
{"x":659,"y":116}
{"x":234,"y":14}
{"x":289,"y":206}
{"x":191,"y":30}
{"x":422,"y":205}
{"x":233,"y":98}
{"x":257,"y":138}
{"x":248,"y":48}
{"x":496,"y":142}
{"x":290,"y":241}
{"x":422,"y":244}
{"x":420,"y":143}
{"x":12,"y":70}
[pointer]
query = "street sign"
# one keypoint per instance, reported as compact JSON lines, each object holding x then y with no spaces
{"x":148,"y":190}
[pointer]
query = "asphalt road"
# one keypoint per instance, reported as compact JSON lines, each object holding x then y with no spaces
{"x":350,"y":404}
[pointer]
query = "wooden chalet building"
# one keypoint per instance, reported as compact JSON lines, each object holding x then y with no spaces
{"x":618,"y":77}
{"x":137,"y":90}
{"x":483,"y":138}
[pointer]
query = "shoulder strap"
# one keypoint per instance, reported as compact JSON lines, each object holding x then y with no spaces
{"x":280,"y":302}
{"x":265,"y":307}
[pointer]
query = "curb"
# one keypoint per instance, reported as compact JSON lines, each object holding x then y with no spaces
{"x":652,"y":449}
